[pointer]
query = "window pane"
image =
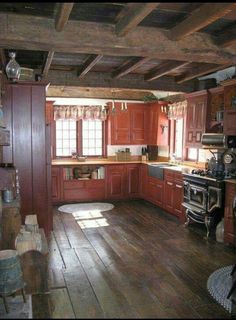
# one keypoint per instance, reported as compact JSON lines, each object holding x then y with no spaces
{"x":192,"y":154}
{"x":65,"y":137}
{"x":92,"y":138}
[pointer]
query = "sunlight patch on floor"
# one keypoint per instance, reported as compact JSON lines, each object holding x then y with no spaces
{"x":90,"y":219}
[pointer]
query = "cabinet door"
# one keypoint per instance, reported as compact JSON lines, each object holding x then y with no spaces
{"x":190,"y":127}
{"x":143,"y":178}
{"x":138,"y":124}
{"x":230,"y":121}
{"x":200,"y":120}
{"x":155,"y":191}
{"x":132,"y":180}
{"x":120,"y":126}
{"x":56,"y":184}
{"x":152,"y":124}
{"x":178,"y":199}
{"x":169,"y":196}
{"x":115,"y":182}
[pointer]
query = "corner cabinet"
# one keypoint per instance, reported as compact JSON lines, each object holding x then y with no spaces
{"x":127,"y":127}
{"x":25,"y":118}
{"x":196,"y":118}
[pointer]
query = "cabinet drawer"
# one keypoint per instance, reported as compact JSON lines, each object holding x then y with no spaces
{"x":95,"y":183}
{"x":74,"y":184}
{"x":178,"y":176}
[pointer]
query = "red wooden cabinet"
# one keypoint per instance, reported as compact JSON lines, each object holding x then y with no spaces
{"x":132,"y":180}
{"x":127,"y":126}
{"x":56,"y":184}
{"x":230,"y":122}
{"x":138,"y":132}
{"x":119,"y":125}
{"x":157,"y":125}
{"x":196,"y":118}
{"x":174,"y":193}
{"x":24,"y":112}
{"x":155,"y":191}
{"x":115,"y":181}
{"x":143,"y":180}
{"x":230,"y":214}
{"x":123,"y":181}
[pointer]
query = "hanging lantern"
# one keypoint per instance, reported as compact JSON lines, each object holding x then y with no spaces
{"x":13,"y":68}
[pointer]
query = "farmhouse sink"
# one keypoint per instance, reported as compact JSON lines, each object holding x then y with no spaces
{"x":156,"y":170}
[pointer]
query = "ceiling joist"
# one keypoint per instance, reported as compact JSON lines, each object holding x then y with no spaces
{"x":62,"y":15}
{"x":99,"y":38}
{"x":134,"y":15}
{"x":129,"y":67}
{"x":89,"y":64}
{"x":164,"y":69}
{"x":200,"y":18}
{"x":227,"y":38}
{"x":200,"y":71}
{"x":47,"y":64}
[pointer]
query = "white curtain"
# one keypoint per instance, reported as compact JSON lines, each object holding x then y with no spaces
{"x":177,"y":110}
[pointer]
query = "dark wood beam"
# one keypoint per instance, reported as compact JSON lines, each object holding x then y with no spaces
{"x":62,"y":15}
{"x":105,"y":80}
{"x":89,"y":64}
{"x":47,"y":63}
{"x":200,"y":18}
{"x":129,"y":67}
{"x":200,"y":71}
{"x":135,"y":14}
{"x":99,"y":38}
{"x":164,"y":69}
{"x":3,"y":58}
{"x":227,"y":38}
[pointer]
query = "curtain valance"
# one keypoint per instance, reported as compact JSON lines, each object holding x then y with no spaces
{"x":80,"y":113}
{"x":177,"y":110}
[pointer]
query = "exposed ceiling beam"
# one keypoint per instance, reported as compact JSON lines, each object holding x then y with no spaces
{"x":99,"y":38}
{"x":200,"y":71}
{"x":134,"y":15}
{"x":62,"y":15}
{"x":227,"y":38}
{"x":163,"y":69}
{"x":3,"y":58}
{"x":102,"y":93}
{"x":105,"y":80}
{"x":200,"y":18}
{"x":47,"y":63}
{"x":89,"y":64}
{"x":129,"y":67}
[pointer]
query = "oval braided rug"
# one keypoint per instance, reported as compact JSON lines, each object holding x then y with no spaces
{"x":219,"y":284}
{"x":86,"y":207}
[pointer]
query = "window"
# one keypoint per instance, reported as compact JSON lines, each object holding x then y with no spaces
{"x":86,"y":137}
{"x":65,"y":137}
{"x":178,"y":148}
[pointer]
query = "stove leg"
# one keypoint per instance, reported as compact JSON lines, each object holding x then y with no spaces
{"x":187,"y":219}
{"x":207,"y":224}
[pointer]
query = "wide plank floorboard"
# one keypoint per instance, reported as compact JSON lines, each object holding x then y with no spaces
{"x":142,"y":263}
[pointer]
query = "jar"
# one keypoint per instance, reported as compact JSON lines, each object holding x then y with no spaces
{"x":8,"y":195}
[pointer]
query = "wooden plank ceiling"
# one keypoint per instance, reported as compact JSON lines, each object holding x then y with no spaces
{"x":137,"y":46}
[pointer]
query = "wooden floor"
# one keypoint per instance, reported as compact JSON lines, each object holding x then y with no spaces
{"x":134,"y":261}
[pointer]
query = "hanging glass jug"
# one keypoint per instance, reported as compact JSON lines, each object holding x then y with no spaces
{"x":13,"y":68}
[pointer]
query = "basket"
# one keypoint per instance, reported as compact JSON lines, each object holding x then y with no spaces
{"x":26,"y":74}
{"x":123,"y":156}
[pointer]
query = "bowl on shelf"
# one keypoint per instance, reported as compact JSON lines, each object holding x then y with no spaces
{"x":84,"y":175}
